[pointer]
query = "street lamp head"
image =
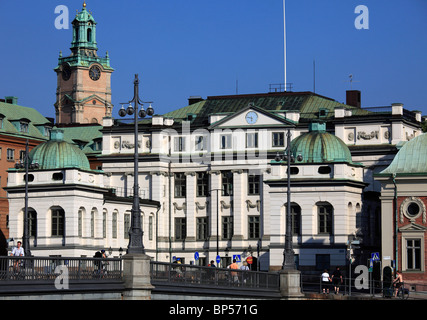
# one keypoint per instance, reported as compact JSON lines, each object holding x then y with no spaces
{"x":122,"y":111}
{"x":150,"y":110}
{"x":19,"y":165}
{"x":142,"y":113}
{"x":129,"y":110}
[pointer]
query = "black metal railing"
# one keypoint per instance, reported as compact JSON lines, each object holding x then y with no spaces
{"x":369,"y":287}
{"x":209,"y":276}
{"x":46,"y":268}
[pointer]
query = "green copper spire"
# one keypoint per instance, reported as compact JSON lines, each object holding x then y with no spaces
{"x":84,"y":46}
{"x":84,"y":31}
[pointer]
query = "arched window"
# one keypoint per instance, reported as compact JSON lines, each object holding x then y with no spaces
{"x":295,"y":218}
{"x":114,"y":225}
{"x":92,"y":222}
{"x":58,"y":221}
{"x":81,"y":215}
{"x":89,"y":35}
{"x":32,"y":222}
{"x":325,"y":216}
{"x":104,"y":223}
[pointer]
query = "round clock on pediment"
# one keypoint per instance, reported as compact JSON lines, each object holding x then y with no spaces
{"x":94,"y":73}
{"x":251,"y":117}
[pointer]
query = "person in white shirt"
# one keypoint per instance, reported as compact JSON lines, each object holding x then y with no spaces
{"x":325,"y":281}
{"x":17,"y":252}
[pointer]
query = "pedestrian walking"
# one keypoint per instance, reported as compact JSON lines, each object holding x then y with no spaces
{"x":325,"y":281}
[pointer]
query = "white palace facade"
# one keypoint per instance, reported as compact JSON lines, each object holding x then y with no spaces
{"x":210,"y":182}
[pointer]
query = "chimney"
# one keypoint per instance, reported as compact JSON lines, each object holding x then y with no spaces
{"x":11,"y":100}
{"x":353,"y":98}
{"x":194,"y":99}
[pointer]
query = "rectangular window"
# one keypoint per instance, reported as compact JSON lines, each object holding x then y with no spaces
{"x":180,"y":228}
{"x":202,"y":228}
{"x":202,"y":184}
{"x":10,"y":154}
{"x":180,"y":185}
{"x":325,"y":219}
{"x":253,"y":227}
{"x":225,"y":141}
{"x":278,"y":139}
{"x":201,"y":143}
{"x":252,"y":140}
{"x":22,"y":155}
{"x":24,"y":127}
{"x":227,"y":183}
{"x":253,"y":184}
{"x":413,"y":254}
{"x":227,"y":228}
{"x":126,"y":225}
{"x":179,"y":144}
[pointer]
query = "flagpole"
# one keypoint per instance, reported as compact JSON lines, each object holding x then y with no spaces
{"x":284,"y":39}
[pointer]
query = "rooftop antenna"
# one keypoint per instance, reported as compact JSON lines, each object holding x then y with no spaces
{"x":284,"y":38}
{"x":314,"y":76}
{"x":351,"y":81}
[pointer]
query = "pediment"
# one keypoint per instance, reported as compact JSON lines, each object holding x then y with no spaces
{"x":252,"y":117}
{"x":412,"y":227}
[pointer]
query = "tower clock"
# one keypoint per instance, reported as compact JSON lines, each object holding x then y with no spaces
{"x":83,"y":78}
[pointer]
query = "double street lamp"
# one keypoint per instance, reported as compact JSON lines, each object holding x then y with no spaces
{"x":288,"y":253}
{"x":135,"y":232}
{"x":21,"y":165}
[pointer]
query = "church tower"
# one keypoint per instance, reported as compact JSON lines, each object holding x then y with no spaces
{"x":83,"y":92}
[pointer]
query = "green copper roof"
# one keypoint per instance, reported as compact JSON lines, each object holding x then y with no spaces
{"x":59,"y":154}
{"x":13,"y":115}
{"x":308,"y":104}
{"x":319,"y":146}
{"x":411,"y":158}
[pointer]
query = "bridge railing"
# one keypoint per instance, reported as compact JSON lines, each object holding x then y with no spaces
{"x":45,"y":268}
{"x":211,"y":276}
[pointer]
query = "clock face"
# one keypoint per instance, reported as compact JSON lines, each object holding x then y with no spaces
{"x":66,"y":72}
{"x":251,"y":117}
{"x":94,"y":73}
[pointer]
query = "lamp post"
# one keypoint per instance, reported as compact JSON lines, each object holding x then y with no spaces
{"x":26,"y":165}
{"x":288,"y":253}
{"x":135,"y":232}
{"x":217,"y":219}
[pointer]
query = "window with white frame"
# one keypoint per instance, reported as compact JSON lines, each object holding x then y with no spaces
{"x":252,"y":140}
{"x":179,"y":144}
{"x":225,"y":141}
{"x":278,"y":139}
{"x":201,"y":143}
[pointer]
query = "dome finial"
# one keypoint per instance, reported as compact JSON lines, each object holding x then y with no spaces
{"x":84,"y":3}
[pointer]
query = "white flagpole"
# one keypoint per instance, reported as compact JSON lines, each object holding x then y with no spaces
{"x":284,"y":38}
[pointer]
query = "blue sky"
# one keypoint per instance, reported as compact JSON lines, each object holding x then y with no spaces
{"x":182,"y":48}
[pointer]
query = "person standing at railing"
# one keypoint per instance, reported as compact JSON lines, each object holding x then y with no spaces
{"x":244,"y":267}
{"x":337,"y":280}
{"x":325,"y":281}
{"x":17,"y":252}
{"x":234,"y":266}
